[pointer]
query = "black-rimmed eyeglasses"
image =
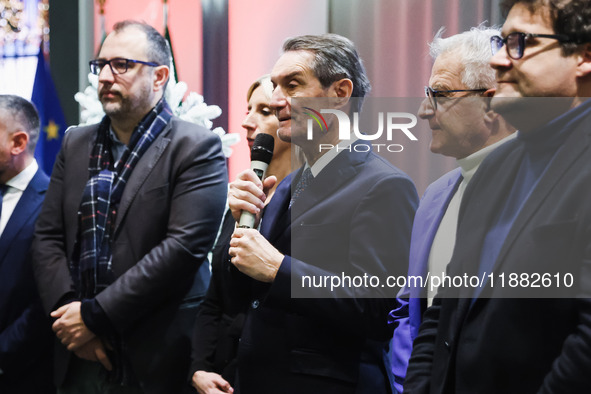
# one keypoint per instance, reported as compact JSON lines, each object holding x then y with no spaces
{"x":118,"y":65}
{"x":515,"y":42}
{"x":432,"y":94}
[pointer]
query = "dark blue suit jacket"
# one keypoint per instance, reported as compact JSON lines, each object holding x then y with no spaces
{"x":25,"y":332}
{"x":407,"y":318}
{"x":520,"y":339}
{"x":354,"y":219}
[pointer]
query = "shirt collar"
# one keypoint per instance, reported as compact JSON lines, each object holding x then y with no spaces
{"x":21,"y":180}
{"x":113,"y":136}
{"x":329,"y":156}
{"x":469,"y":164}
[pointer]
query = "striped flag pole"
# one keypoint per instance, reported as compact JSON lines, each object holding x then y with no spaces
{"x":102,"y":19}
{"x":173,"y":69}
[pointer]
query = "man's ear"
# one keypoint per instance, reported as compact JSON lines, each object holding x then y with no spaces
{"x":584,"y":64}
{"x":161,"y":74}
{"x":490,"y":117}
{"x":342,"y":90}
{"x":487,"y":96}
{"x":19,"y":140}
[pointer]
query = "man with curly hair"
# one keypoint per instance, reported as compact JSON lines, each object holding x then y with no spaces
{"x":525,"y":225}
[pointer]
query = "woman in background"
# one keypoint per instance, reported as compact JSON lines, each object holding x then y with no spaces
{"x":220,"y":316}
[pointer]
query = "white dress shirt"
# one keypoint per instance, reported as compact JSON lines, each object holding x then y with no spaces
{"x":329,"y":156}
{"x":445,"y":238}
{"x":16,"y":187}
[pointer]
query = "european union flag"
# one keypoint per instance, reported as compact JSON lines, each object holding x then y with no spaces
{"x":53,"y":123}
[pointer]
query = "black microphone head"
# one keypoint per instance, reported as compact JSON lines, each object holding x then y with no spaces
{"x":262,"y":149}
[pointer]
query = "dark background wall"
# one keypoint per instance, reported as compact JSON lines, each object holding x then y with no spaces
{"x":64,"y":54}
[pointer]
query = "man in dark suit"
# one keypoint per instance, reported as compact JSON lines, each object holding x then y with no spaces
{"x":524,"y":225}
{"x":132,"y":209}
{"x":25,"y":331}
{"x":461,"y":83}
{"x":350,"y":214}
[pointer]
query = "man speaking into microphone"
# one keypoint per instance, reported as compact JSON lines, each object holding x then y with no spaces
{"x":343,"y":212}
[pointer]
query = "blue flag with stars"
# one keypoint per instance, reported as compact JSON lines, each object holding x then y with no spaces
{"x":53,"y":122}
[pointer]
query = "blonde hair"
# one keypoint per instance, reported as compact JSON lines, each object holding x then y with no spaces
{"x":265,"y":83}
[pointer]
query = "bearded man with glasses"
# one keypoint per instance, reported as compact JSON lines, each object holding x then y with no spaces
{"x":526,"y":215}
{"x":132,"y":210}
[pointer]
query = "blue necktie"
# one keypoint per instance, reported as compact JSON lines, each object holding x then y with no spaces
{"x":302,"y":185}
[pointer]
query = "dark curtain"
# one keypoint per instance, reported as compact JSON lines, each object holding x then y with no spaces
{"x":215,"y":56}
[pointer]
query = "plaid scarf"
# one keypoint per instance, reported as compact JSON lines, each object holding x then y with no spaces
{"x":91,"y":265}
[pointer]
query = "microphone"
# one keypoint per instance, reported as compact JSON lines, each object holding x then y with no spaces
{"x":260,"y":157}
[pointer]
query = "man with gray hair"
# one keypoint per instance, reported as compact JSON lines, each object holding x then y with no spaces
{"x":465,"y":128}
{"x":25,"y":333}
{"x":350,"y":214}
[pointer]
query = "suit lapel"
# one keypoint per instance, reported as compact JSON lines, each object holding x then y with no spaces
{"x":276,"y":214}
{"x":31,"y":198}
{"x":342,"y":168}
{"x":483,"y":195}
{"x":140,"y":173}
{"x":577,"y":143}
{"x":496,"y":193}
{"x":436,"y":206}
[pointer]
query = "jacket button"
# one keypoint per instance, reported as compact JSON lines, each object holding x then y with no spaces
{"x":255,"y":304}
{"x":447,"y":346}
